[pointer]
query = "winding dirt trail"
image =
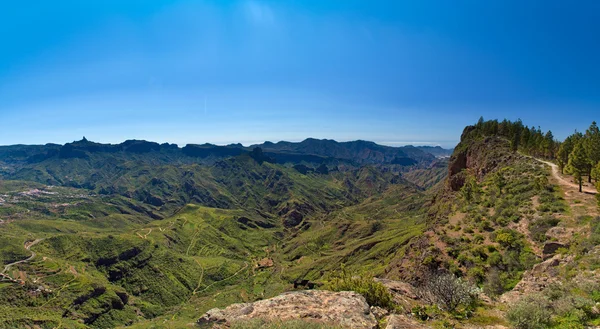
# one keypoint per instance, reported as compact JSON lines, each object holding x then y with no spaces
{"x":563,"y":181}
{"x":27,"y":247}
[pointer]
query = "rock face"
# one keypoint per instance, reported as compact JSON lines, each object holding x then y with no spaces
{"x":347,"y":309}
{"x":538,"y":278}
{"x":478,"y":158}
{"x":404,"y":294}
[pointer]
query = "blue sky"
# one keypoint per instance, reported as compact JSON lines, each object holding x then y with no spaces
{"x":395,"y":72}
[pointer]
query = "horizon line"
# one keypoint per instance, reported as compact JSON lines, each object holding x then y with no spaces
{"x":254,"y":143}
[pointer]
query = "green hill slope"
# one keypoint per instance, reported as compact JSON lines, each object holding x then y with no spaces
{"x":123,"y":242}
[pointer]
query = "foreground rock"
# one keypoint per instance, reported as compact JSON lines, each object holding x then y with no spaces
{"x":347,"y":309}
{"x":397,"y":321}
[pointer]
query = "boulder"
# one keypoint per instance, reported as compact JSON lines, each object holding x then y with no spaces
{"x":347,"y":309}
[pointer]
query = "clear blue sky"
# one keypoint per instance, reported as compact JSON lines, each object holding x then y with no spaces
{"x":252,"y":70}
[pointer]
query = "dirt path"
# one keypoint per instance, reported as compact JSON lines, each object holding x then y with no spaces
{"x":27,"y":246}
{"x":565,"y":182}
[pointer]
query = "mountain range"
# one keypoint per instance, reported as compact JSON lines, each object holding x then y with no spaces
{"x":148,"y":235}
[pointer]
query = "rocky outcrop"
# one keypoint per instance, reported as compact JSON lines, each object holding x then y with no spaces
{"x":560,"y":234}
{"x":347,"y":309}
{"x":404,"y":294}
{"x":478,"y":157}
{"x":538,"y":278}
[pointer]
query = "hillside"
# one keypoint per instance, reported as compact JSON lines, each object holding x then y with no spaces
{"x":361,"y":152}
{"x":436,"y":151}
{"x":515,"y":228}
{"x":153,"y":236}
{"x":139,"y":230}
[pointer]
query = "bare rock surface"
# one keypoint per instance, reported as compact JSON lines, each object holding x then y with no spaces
{"x":404,"y":294}
{"x":397,"y":321}
{"x":560,"y":234}
{"x":347,"y":309}
{"x":398,"y":287}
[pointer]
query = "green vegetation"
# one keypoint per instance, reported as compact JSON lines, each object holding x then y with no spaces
{"x":429,"y":177}
{"x":374,"y":292}
{"x":108,"y":278}
{"x":578,"y":154}
{"x":578,"y":164}
{"x":150,"y":244}
{"x":526,"y":139}
{"x":451,"y":294}
{"x":151,"y":236}
{"x":481,"y":236}
{"x":501,"y":219}
{"x":558,"y":306}
{"x":530,"y":313}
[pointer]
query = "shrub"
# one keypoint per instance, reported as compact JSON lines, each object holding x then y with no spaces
{"x":478,"y":239}
{"x":420,"y":313}
{"x":485,"y":225}
{"x":493,"y":284}
{"x":495,"y":258}
{"x":477,"y":273}
{"x":530,"y":313}
{"x":539,"y":227}
{"x":480,"y":253}
{"x":449,"y":292}
{"x":374,"y":292}
{"x":508,"y":239}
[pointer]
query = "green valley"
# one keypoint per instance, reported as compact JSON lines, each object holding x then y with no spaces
{"x":148,"y":235}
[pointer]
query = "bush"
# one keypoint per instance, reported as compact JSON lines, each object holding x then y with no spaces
{"x":449,"y":293}
{"x":493,"y":286}
{"x":530,"y":313}
{"x":495,"y":259}
{"x":477,"y":274}
{"x":374,"y":292}
{"x":539,"y":227}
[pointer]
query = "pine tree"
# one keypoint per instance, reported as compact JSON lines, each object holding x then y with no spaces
{"x":548,"y":145}
{"x":525,"y":135}
{"x":515,"y":135}
{"x":579,"y":163}
{"x":596,"y":173}
{"x":592,"y":146}
{"x":480,"y":122}
{"x":562,"y":156}
{"x":503,"y":128}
